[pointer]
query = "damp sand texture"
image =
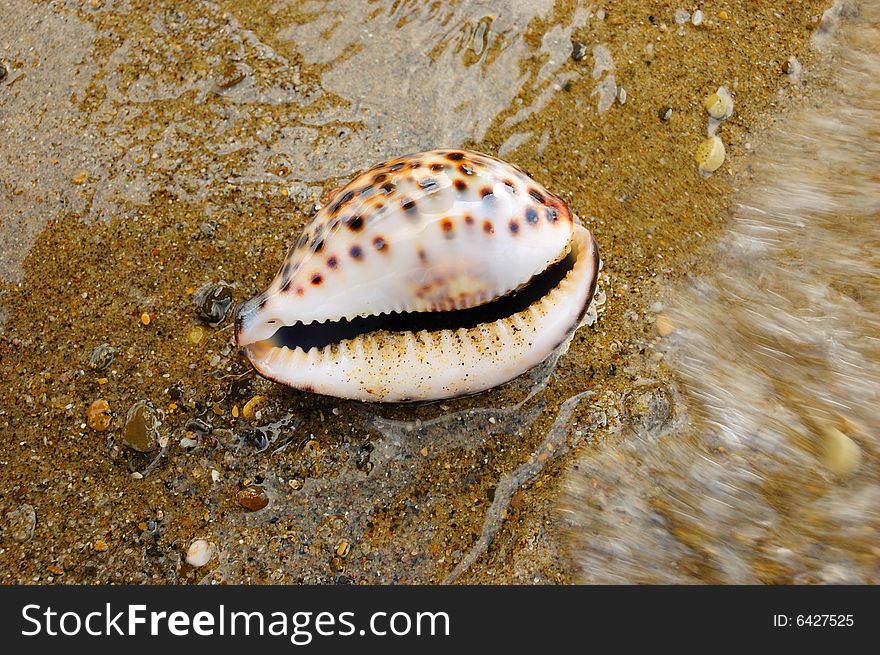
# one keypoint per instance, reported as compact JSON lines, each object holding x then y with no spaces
{"x":152,"y":149}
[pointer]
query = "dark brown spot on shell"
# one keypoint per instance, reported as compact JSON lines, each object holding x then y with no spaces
{"x":387,"y":188}
{"x":396,"y":166}
{"x":438,"y":167}
{"x":317,"y":279}
{"x":487,"y":227}
{"x":300,"y":291}
{"x":514,"y":227}
{"x":551,"y":214}
{"x":332,"y":262}
{"x":344,"y":198}
{"x":355,"y":223}
{"x":415,"y":164}
{"x":465,"y":169}
{"x":460,"y":185}
{"x":485,"y":192}
{"x":318,"y":244}
{"x":423,"y":256}
{"x":428,"y":183}
{"x":455,"y":156}
{"x":379,"y":243}
{"x":263,"y":303}
{"x":381,"y":177}
{"x":285,"y":286}
{"x":408,"y":205}
{"x":356,"y":252}
{"x":468,"y":219}
{"x":447,"y":226}
{"x":534,"y":193}
{"x":531,"y":216}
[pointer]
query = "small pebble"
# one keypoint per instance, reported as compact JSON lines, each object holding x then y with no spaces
{"x":723,"y":15}
{"x":697,"y":18}
{"x":842,"y":455}
{"x":80,"y":177}
{"x":681,"y":16}
{"x":792,"y":67}
{"x":665,"y":113}
{"x":719,"y":105}
{"x":21,"y":523}
{"x":145,"y":318}
{"x":250,"y":407}
{"x":709,"y":155}
{"x":3,"y":72}
{"x":141,"y":428}
{"x":196,"y":334}
{"x":199,"y":553}
{"x":198,"y":426}
{"x":98,"y":415}
{"x":253,"y":498}
{"x":664,"y":325}
{"x":102,"y":357}
{"x":578,"y":50}
{"x":100,"y":545}
{"x":213,"y":301}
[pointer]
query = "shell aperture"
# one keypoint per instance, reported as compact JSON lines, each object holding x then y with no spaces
{"x":429,"y":276}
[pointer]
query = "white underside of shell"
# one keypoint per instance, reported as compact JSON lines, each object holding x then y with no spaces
{"x":408,"y":366}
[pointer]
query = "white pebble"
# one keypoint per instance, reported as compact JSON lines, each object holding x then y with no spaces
{"x":719,"y":105}
{"x":681,"y":16}
{"x":710,"y":155}
{"x":199,"y":553}
{"x":621,"y":95}
{"x":697,"y":18}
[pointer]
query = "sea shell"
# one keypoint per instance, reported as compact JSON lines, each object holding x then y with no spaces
{"x":434,"y":275}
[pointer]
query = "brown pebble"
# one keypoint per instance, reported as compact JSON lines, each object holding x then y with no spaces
{"x":80,"y":177}
{"x":250,"y":407}
{"x":98,"y":415}
{"x":101,"y":545}
{"x":253,"y":498}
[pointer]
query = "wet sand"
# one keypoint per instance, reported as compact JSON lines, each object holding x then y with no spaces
{"x":153,"y":147}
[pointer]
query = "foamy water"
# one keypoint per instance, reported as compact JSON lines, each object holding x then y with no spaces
{"x":768,"y":470}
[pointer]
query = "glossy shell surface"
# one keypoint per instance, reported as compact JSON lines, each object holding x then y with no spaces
{"x":434,"y":233}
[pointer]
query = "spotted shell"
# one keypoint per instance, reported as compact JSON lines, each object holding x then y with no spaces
{"x":429,"y":276}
